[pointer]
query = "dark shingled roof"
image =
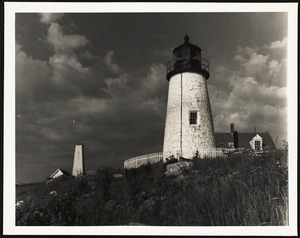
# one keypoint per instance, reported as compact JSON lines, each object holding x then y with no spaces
{"x":223,"y":138}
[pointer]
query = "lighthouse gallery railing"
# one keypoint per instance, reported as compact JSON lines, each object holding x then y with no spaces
{"x":195,"y":63}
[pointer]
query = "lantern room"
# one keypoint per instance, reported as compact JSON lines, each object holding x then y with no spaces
{"x":187,"y":58}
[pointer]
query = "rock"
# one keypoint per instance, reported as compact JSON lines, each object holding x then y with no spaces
{"x":110,"y":205}
{"x":178,"y":168}
{"x":53,"y":193}
{"x":20,"y":204}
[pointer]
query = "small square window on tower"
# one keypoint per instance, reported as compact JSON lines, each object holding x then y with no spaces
{"x":193,"y":118}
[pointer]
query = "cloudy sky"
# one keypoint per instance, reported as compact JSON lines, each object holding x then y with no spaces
{"x":100,"y":79}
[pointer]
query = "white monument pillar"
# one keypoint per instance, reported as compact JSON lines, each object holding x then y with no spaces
{"x":78,"y":163}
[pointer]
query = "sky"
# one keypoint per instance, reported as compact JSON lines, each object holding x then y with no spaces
{"x":100,"y":79}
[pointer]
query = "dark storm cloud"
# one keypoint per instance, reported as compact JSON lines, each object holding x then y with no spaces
{"x":107,"y":88}
{"x":61,"y":103}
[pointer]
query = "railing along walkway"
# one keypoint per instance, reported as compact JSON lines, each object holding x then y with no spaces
{"x":153,"y":158}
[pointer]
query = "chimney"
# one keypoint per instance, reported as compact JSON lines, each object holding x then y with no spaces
{"x":235,"y":139}
{"x":231,"y":127}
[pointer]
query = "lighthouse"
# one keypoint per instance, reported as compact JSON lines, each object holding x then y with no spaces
{"x":189,"y":129}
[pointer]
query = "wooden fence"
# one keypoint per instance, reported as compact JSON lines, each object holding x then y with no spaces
{"x":211,"y":152}
{"x":138,"y":161}
{"x":153,"y":158}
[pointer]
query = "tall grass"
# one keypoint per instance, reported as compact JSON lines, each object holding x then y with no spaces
{"x":241,"y":190}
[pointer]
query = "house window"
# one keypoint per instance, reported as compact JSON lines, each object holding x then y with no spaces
{"x":257,"y":145}
{"x":193,"y":118}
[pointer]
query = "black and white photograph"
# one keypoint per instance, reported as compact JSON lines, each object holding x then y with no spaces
{"x":150,"y":118}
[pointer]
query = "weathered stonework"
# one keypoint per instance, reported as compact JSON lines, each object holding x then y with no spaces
{"x":188,"y":92}
{"x":78,"y":163}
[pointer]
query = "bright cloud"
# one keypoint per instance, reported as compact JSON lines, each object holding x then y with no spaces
{"x":278,"y":44}
{"x":253,"y":95}
{"x":257,"y":59}
{"x":63,"y":42}
{"x":48,"y":18}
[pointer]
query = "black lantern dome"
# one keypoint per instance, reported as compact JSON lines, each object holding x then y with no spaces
{"x":187,"y":58}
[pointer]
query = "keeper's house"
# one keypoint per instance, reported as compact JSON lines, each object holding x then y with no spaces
{"x":247,"y":140}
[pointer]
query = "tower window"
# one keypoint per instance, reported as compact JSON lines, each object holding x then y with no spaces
{"x":193,"y":118}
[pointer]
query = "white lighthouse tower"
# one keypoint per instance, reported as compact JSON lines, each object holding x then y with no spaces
{"x":189,"y":126}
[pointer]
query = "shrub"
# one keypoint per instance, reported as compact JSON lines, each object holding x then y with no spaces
{"x":53,"y":210}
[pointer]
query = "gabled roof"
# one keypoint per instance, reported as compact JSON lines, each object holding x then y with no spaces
{"x":65,"y":172}
{"x":244,"y":138}
{"x":257,"y":137}
{"x":56,"y":171}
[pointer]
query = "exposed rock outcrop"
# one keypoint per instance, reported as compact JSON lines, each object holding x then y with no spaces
{"x":178,"y":168}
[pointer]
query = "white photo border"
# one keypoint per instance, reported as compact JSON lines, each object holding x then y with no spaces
{"x":11,"y":8}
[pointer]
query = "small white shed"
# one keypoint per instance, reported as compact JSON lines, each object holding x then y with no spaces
{"x":58,"y":173}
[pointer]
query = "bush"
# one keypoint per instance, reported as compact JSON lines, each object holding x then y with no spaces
{"x":54,"y":210}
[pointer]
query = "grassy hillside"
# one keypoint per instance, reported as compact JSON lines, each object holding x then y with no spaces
{"x":238,"y":190}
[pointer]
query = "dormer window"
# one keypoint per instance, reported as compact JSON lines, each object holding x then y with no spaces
{"x":256,"y":142}
{"x":257,"y":145}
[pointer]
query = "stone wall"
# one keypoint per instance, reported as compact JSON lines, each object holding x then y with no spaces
{"x":188,"y":92}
